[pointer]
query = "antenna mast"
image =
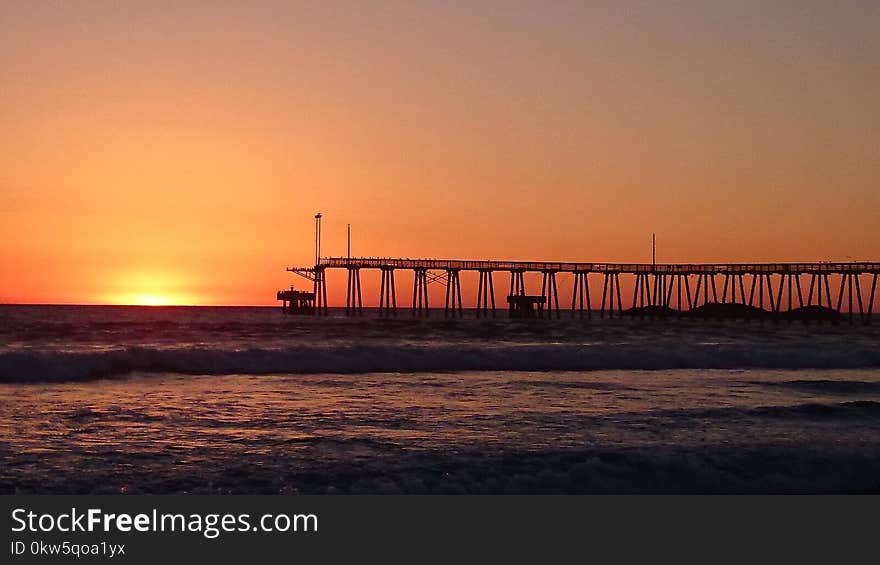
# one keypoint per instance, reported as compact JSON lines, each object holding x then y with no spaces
{"x":317,"y":238}
{"x":653,"y":250}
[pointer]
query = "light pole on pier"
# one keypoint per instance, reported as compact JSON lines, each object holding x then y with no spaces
{"x":317,"y":238}
{"x":653,"y":251}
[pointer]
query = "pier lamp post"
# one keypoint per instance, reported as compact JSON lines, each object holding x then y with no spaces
{"x":317,"y":238}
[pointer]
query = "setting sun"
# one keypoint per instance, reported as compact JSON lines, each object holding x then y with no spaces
{"x":148,"y":287}
{"x":152,"y":300}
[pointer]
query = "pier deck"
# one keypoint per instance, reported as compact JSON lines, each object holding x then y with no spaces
{"x":845,"y":289}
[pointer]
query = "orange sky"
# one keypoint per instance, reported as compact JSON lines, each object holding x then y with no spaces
{"x":176,"y":151}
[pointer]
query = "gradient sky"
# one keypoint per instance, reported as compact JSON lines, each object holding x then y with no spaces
{"x":177,"y":151}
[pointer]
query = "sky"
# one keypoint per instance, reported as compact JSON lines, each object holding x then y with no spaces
{"x":176,"y":152}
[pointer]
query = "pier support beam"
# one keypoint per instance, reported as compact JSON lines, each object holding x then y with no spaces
{"x":810,"y":293}
{"x":769,"y":279}
{"x":642,"y":295}
{"x":671,"y":286}
{"x":687,"y":288}
{"x":728,"y":292}
{"x":517,"y":283}
{"x":453,"y":294}
{"x":353,"y":302}
{"x":788,"y":283}
{"x":760,"y":291}
{"x":847,"y":280}
{"x":387,"y":293}
{"x":704,"y":280}
{"x":800,"y":294}
{"x":420,"y":293}
{"x":871,"y":299}
{"x":320,"y":292}
{"x":550,"y":293}
{"x":827,"y":289}
{"x":817,"y":281}
{"x":658,"y":297}
{"x":485,"y":294}
{"x":752,"y":290}
{"x":611,"y":287}
{"x":653,"y":290}
{"x":697,"y":289}
{"x":638,"y":293}
{"x":580,"y":295}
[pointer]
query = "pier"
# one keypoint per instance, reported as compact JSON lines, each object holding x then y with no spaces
{"x":833,"y":291}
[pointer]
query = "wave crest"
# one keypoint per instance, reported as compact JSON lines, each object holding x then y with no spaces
{"x":41,"y":366}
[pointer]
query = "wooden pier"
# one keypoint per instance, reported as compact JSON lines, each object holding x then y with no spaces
{"x":794,"y":290}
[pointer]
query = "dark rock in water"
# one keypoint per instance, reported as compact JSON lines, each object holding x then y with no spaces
{"x":651,"y":311}
{"x":813,"y":314}
{"x":727,"y":310}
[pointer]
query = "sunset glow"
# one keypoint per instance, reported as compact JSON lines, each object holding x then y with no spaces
{"x":199,"y":141}
{"x":150,"y":300}
{"x":149,"y":288}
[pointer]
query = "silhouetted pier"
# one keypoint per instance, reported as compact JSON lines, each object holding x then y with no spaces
{"x":805,"y":291}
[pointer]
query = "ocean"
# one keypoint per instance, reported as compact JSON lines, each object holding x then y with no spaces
{"x":246,"y":400}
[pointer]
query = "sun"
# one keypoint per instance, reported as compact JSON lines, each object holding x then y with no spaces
{"x":144,"y":287}
{"x":152,"y":300}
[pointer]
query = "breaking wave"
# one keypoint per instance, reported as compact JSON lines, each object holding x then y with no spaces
{"x":42,"y":366}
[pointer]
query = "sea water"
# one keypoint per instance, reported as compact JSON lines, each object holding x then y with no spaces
{"x":247,"y":400}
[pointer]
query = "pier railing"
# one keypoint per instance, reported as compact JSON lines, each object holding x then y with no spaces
{"x":572,"y":267}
